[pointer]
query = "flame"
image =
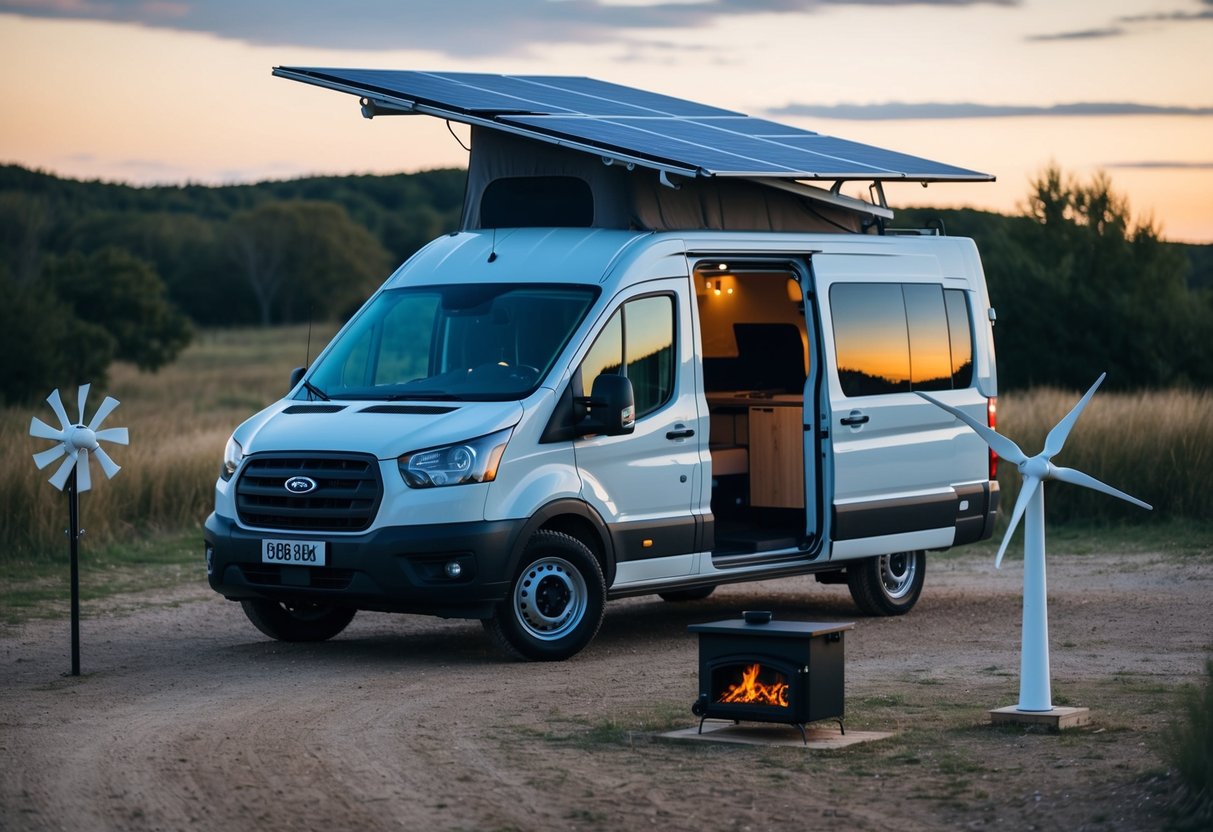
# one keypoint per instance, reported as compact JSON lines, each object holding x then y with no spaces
{"x":749,"y":689}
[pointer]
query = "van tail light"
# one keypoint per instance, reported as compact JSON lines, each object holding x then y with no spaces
{"x":992,"y":421}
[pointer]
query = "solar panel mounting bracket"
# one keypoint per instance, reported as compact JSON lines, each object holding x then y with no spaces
{"x":832,"y":197}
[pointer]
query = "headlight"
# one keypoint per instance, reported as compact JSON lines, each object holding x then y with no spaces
{"x":466,"y":462}
{"x":232,"y":455}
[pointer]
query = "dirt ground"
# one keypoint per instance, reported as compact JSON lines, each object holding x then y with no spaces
{"x":187,"y":718}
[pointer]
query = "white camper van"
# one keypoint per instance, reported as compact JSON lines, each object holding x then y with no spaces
{"x":604,"y":386}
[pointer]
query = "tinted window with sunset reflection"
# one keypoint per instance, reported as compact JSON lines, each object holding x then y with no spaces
{"x":646,"y":326}
{"x":894,"y":338}
{"x":870,"y":338}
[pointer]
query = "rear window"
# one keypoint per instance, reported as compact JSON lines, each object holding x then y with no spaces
{"x":899,"y":337}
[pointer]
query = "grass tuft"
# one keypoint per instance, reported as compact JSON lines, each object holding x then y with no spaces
{"x":1190,"y":743}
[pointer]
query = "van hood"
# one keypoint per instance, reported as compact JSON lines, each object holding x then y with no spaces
{"x":385,"y":429}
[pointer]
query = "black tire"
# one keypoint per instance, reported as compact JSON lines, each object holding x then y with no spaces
{"x":677,"y":596}
{"x":556,"y":601}
{"x":888,"y":584}
{"x":297,"y":621}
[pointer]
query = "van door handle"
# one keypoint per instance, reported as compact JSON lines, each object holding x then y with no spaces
{"x":856,"y":418}
{"x":679,"y":433}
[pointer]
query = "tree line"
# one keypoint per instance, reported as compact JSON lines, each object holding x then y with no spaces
{"x":94,"y":272}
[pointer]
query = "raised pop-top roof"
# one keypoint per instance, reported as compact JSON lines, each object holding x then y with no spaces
{"x":628,"y":125}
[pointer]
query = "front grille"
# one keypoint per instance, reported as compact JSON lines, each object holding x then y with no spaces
{"x":346,"y":497}
{"x":269,"y":574}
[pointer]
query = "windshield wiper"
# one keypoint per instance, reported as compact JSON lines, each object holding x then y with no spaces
{"x":315,"y":391}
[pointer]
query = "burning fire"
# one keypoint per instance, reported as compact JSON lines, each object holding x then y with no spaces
{"x":750,"y":690}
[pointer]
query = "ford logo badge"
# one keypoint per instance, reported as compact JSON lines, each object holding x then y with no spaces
{"x":300,"y":485}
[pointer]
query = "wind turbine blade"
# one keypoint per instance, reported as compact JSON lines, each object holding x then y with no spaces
{"x":1061,"y":431}
{"x":1086,"y":480}
{"x":56,"y":404}
{"x":107,"y":407}
{"x":107,"y":464}
{"x":59,"y":479}
{"x":1026,"y":489}
{"x":82,"y":397}
{"x":1002,"y":446}
{"x":41,"y":430}
{"x":84,"y":480}
{"x":48,"y":456}
{"x":119,"y":436}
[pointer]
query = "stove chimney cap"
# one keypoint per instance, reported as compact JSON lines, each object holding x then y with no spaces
{"x":757,"y":616}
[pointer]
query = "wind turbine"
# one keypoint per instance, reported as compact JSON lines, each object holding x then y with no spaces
{"x":76,"y":442}
{"x":1035,"y":695}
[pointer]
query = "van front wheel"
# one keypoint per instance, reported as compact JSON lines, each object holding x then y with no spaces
{"x":556,"y":602}
{"x":888,"y":584}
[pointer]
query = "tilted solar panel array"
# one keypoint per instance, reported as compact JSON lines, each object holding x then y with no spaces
{"x":632,"y":125}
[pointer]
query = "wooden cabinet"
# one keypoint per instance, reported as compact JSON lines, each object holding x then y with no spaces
{"x":777,"y":455}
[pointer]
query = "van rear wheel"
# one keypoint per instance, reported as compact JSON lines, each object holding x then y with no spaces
{"x":888,"y":584}
{"x":556,"y":601}
{"x":297,"y":621}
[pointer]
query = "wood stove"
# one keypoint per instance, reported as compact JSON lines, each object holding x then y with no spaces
{"x":759,"y":670}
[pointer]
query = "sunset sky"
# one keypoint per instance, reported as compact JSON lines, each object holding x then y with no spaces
{"x":173,"y":91}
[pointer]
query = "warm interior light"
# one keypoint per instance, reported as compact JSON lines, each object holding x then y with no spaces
{"x":793,"y":288}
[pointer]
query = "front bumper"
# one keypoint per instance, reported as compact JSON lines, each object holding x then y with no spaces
{"x":392,"y":569}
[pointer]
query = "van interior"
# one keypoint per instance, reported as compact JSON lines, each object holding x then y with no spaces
{"x":755,"y":363}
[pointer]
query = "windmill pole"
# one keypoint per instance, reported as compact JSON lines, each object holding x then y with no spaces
{"x":73,"y":510}
{"x":1035,"y":689}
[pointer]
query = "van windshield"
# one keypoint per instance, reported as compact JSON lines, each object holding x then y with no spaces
{"x":478,"y":342}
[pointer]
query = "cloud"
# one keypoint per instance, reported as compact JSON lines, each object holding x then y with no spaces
{"x":459,"y":28}
{"x":1161,"y":165}
{"x":1083,"y":34}
{"x":1170,"y":17}
{"x":902,"y":111}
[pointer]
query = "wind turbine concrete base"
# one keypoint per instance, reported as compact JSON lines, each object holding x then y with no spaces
{"x":1054,"y":719}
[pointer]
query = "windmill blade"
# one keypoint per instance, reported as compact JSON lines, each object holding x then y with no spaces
{"x":1061,"y":431}
{"x":1002,"y":446}
{"x":1026,"y":490}
{"x":82,"y":397}
{"x":1087,"y":481}
{"x":48,"y":456}
{"x":84,"y":480}
{"x":107,"y":463}
{"x":107,"y":407}
{"x":119,"y":436}
{"x":41,"y":430}
{"x":59,"y":479}
{"x":56,"y":404}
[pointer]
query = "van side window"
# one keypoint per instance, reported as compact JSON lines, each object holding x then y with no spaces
{"x":960,"y":336}
{"x":894,"y":338}
{"x":637,"y":342}
{"x":870,"y":338}
{"x":930,"y":347}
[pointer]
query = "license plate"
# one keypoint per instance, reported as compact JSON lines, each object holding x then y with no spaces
{"x":293,"y":552}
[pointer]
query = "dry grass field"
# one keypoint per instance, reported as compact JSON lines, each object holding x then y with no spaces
{"x":1155,"y":445}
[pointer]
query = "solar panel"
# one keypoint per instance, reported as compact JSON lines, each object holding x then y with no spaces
{"x":636,"y":126}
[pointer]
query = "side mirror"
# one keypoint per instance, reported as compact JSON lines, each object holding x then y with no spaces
{"x":612,"y":407}
{"x":296,"y":377}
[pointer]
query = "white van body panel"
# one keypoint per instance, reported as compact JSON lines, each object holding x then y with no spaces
{"x":644,"y":499}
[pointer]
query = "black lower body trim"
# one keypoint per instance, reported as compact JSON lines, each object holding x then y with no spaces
{"x":970,"y":509}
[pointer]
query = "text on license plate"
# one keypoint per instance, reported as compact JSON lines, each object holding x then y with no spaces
{"x":299,"y":552}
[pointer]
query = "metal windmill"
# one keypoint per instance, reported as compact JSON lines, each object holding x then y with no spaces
{"x":76,"y":442}
{"x":1035,"y":693}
